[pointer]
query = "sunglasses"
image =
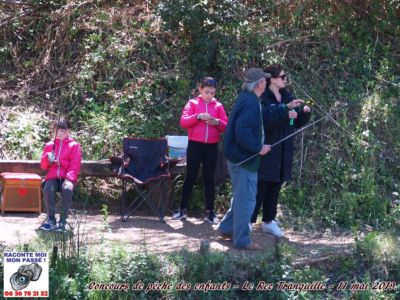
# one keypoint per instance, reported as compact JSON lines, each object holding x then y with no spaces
{"x":283,"y":77}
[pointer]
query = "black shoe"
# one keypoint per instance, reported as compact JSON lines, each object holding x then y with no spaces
{"x":49,"y":224}
{"x":61,"y":226}
{"x":211,"y":218}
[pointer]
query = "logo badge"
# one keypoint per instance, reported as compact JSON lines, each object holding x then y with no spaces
{"x":26,"y":274}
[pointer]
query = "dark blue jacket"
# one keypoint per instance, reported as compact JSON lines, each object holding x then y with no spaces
{"x":243,"y":133}
{"x":276,"y":166}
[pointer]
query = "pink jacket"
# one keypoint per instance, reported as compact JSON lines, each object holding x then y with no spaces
{"x":199,"y":130}
{"x":68,"y":154}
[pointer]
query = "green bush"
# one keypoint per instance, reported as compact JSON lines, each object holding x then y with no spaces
{"x":24,"y":134}
{"x":128,"y":71}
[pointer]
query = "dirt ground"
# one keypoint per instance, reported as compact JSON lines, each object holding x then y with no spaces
{"x":146,"y":231}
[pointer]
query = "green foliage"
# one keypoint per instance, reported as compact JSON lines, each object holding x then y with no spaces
{"x":52,"y":4}
{"x":350,"y":183}
{"x":122,"y":69}
{"x":5,"y":57}
{"x":121,"y":266}
{"x":379,"y":252}
{"x":375,"y":261}
{"x":68,"y":278}
{"x":127,"y":70}
{"x":24,"y":133}
{"x":73,"y":270}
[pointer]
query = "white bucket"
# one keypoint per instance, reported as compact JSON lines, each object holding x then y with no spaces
{"x":177,"y":145}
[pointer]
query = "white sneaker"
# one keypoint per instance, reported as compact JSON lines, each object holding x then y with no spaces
{"x":272,"y":227}
{"x":211,"y":218}
{"x":251,"y":226}
{"x":180,"y":215}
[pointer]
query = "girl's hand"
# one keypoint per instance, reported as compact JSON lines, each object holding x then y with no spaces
{"x":213,"y":122}
{"x":67,"y":185}
{"x":306,"y":109}
{"x":204,"y":117}
{"x":51,"y":157}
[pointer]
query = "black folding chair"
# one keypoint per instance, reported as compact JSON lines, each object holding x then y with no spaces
{"x":144,"y":165}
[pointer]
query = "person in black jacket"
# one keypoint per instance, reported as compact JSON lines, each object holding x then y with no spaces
{"x":276,"y":167}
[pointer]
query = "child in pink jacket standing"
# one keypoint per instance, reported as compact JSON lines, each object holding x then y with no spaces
{"x":205,"y":119}
{"x":62,"y":159}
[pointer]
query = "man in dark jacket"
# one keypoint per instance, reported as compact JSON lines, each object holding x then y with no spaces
{"x":244,"y":138}
{"x":276,"y":167}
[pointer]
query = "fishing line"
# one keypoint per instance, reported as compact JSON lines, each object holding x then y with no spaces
{"x":330,"y":117}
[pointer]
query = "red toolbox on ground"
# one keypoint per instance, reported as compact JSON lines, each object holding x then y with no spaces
{"x":21,"y":192}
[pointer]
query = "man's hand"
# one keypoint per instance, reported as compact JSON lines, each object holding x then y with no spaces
{"x":306,"y":109}
{"x":295,"y":103}
{"x":265,"y":149}
{"x":292,"y":114}
{"x":67,"y":185}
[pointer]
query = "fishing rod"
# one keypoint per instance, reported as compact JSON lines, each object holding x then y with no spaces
{"x":53,"y":155}
{"x":324,"y":112}
{"x":386,"y":81}
{"x":351,"y":134}
{"x":296,"y":132}
{"x":327,"y":115}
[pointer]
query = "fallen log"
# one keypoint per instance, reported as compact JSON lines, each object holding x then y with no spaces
{"x":321,"y":260}
{"x":88,"y":167}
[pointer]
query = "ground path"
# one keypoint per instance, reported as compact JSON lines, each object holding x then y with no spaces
{"x":146,"y":231}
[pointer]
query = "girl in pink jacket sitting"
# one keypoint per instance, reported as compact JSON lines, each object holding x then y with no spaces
{"x":62,"y":159}
{"x":205,"y":119}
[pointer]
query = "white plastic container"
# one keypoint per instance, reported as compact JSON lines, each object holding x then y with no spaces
{"x":177,"y":145}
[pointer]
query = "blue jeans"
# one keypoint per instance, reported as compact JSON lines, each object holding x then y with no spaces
{"x":236,"y":220}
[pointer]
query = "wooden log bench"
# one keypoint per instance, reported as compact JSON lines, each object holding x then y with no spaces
{"x":89,"y":168}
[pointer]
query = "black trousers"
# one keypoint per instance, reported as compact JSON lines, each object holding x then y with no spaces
{"x":267,"y":195}
{"x":200,"y":153}
{"x":52,"y":186}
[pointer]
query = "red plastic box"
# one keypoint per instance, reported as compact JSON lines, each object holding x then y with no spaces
{"x":21,"y":192}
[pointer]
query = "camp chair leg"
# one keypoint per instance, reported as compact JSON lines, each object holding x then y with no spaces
{"x":123,"y":201}
{"x":144,"y":196}
{"x":161,"y":202}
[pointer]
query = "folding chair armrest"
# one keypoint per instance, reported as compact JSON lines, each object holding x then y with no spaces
{"x":167,"y":162}
{"x":116,"y":159}
{"x":128,"y":177}
{"x":118,"y":163}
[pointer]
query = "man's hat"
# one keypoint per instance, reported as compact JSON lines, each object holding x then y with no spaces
{"x":255,"y":74}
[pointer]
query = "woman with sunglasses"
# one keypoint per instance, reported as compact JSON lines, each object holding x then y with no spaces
{"x":205,"y":119}
{"x":276,"y":167}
